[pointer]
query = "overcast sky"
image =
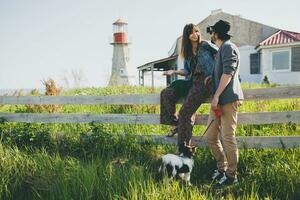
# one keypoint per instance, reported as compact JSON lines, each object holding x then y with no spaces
{"x":51,"y":38}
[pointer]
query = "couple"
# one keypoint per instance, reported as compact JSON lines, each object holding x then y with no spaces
{"x":209,"y":73}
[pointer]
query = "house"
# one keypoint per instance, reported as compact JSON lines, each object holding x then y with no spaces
{"x":278,"y":58}
{"x":265,"y":51}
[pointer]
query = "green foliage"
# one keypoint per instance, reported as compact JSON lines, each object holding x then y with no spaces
{"x":266,"y":80}
{"x":26,"y":135}
{"x":100,"y":143}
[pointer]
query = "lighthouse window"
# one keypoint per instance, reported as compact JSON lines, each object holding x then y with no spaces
{"x":121,"y":71}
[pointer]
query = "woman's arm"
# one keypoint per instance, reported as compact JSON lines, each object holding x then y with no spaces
{"x":207,"y":62}
{"x":181,"y":72}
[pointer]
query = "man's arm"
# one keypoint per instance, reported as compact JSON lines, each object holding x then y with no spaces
{"x":229,"y":61}
{"x":224,"y":81}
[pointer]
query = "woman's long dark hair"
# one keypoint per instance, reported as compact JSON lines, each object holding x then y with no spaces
{"x":186,"y":45}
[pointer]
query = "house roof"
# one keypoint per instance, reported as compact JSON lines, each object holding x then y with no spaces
{"x":160,"y":61}
{"x":281,"y":37}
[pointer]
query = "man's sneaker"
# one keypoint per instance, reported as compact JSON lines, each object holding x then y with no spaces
{"x":217,"y":175}
{"x":225,"y":181}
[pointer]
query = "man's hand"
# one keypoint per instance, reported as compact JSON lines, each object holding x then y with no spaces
{"x":214,"y":103}
{"x":169,"y":72}
{"x":207,"y":80}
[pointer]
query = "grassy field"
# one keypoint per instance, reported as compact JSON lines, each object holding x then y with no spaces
{"x":96,"y":161}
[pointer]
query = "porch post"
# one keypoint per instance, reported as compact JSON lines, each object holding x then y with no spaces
{"x":139,"y":77}
{"x":152,"y":75}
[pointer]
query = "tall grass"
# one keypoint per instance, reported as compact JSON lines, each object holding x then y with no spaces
{"x":265,"y":174}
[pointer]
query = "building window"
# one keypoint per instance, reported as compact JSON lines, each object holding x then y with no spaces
{"x":295,"y":59}
{"x":281,"y":60}
{"x":121,"y":72}
{"x":255,"y":63}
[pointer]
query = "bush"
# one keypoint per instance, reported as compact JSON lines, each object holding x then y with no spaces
{"x":26,"y":135}
{"x":100,"y":142}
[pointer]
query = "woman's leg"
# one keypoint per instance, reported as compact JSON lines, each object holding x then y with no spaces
{"x":197,"y":95}
{"x":168,"y":100}
{"x":174,"y":131}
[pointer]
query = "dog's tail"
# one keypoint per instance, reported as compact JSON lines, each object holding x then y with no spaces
{"x":159,"y":175}
{"x":162,"y":167}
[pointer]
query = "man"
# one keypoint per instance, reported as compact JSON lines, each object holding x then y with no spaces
{"x":227,"y":96}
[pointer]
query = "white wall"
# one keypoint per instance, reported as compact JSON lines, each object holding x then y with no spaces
{"x":159,"y":79}
{"x":280,"y":77}
{"x":245,"y":52}
{"x":180,"y":66}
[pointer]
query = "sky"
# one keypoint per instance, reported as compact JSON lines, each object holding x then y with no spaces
{"x":41,"y":39}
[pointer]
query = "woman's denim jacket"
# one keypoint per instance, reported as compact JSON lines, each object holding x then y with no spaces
{"x":206,"y":59}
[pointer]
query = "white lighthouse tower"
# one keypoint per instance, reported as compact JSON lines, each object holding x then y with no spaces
{"x":122,"y":73}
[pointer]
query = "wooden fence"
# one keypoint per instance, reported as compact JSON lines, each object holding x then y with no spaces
{"x":258,"y":118}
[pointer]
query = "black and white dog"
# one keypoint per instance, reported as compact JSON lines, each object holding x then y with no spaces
{"x":179,"y":165}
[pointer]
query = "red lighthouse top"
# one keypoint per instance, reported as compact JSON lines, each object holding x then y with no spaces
{"x":120,"y":32}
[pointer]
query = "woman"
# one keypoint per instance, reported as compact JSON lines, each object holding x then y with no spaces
{"x":198,"y":64}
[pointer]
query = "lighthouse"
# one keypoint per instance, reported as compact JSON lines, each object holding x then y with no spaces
{"x":122,"y":72}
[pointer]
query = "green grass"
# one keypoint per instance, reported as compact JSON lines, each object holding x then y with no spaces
{"x":265,"y":174}
{"x":96,"y":161}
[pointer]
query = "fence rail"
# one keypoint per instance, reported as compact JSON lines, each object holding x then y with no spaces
{"x":244,"y":142}
{"x":243,"y":118}
{"x":142,"y":99}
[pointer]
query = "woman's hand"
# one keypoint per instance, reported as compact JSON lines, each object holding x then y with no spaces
{"x":214,"y":103}
{"x":169,"y":72}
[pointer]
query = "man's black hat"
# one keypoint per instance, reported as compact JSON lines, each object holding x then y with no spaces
{"x":221,"y":28}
